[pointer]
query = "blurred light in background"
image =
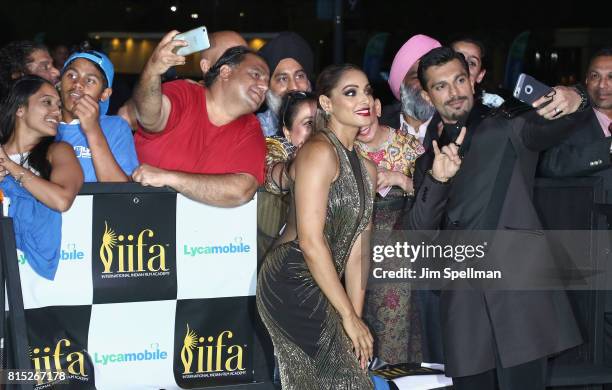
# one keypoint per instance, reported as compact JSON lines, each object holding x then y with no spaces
{"x":256,"y":43}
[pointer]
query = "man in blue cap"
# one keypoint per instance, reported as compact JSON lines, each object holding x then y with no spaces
{"x":103,"y":144}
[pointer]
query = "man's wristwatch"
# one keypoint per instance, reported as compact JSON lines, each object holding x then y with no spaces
{"x":584,"y":97}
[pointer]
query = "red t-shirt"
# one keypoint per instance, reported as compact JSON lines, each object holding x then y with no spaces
{"x":191,"y":143}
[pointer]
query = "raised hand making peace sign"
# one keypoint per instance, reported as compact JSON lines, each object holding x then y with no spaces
{"x":447,"y":161}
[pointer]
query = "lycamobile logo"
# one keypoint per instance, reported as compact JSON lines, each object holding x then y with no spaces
{"x":69,"y":252}
{"x":154,"y":353}
{"x":236,"y":247}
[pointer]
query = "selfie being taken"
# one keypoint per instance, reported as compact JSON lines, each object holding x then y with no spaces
{"x":312,"y":195}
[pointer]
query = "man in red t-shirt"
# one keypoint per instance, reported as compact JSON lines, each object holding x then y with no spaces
{"x":204,"y":142}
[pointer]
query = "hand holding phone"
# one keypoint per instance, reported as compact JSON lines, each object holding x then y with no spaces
{"x":528,"y":89}
{"x":197,"y":40}
{"x":164,"y":56}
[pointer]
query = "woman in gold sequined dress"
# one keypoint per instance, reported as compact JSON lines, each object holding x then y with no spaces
{"x":313,"y":319}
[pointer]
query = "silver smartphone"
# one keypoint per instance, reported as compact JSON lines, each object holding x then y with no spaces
{"x":528,"y":89}
{"x":196,"y":38}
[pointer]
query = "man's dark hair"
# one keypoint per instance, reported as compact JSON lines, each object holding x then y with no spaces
{"x":232,"y":57}
{"x":436,"y":57}
{"x":604,"y":52}
{"x":14,"y":57}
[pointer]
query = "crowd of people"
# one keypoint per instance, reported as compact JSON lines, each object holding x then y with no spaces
{"x":334,"y":164}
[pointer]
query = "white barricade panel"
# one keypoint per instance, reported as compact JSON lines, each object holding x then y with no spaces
{"x":216,"y":250}
{"x":132,"y":345}
{"x":72,"y":284}
{"x":152,"y":291}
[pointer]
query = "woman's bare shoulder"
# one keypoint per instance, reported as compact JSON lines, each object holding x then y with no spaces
{"x":60,"y":151}
{"x":60,"y":147}
{"x":318,"y":149}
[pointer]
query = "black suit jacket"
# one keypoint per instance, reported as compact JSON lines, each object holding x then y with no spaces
{"x":493,"y":190}
{"x":586,"y":152}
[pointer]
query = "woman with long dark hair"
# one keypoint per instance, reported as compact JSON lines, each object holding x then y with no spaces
{"x":38,"y":174}
{"x":29,"y":116}
{"x":315,"y":322}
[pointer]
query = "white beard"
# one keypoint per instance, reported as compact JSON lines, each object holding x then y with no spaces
{"x":414,"y":105}
{"x":273,"y":101}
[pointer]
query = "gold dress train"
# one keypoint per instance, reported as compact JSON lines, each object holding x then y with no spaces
{"x":313,"y":350}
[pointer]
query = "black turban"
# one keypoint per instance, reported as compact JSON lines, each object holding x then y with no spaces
{"x":288,"y":45}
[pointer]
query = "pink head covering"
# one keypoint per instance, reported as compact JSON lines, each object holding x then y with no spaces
{"x":414,"y":48}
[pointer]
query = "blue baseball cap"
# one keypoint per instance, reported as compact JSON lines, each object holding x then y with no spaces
{"x":103,"y":63}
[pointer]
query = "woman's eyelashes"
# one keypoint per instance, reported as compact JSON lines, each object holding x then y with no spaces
{"x":350,"y":92}
{"x":353,"y":91}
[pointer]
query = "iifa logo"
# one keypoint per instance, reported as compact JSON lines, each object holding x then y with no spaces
{"x":122,"y":248}
{"x":236,"y":247}
{"x":211,"y":353}
{"x":154,"y":354}
{"x":45,"y":360}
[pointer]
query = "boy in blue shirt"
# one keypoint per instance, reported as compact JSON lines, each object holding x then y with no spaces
{"x":103,"y":144}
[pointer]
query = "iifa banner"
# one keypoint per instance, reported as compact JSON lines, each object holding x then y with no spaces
{"x":207,"y":350}
{"x":134,"y":251}
{"x":152,"y":291}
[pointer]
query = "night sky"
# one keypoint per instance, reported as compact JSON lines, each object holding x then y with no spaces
{"x":70,"y":20}
{"x":495,"y":22}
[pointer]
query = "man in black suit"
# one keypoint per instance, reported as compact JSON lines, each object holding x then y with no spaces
{"x":498,"y":339}
{"x":587,"y":150}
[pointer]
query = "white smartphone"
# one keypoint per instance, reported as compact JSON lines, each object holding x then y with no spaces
{"x":196,"y":38}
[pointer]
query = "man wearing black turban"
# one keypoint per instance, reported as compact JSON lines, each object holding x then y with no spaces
{"x":290,"y":61}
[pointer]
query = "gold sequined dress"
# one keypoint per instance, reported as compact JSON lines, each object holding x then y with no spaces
{"x":309,"y":340}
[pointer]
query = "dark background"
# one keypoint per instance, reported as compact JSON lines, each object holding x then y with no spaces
{"x":68,"y":19}
{"x":570,"y":29}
